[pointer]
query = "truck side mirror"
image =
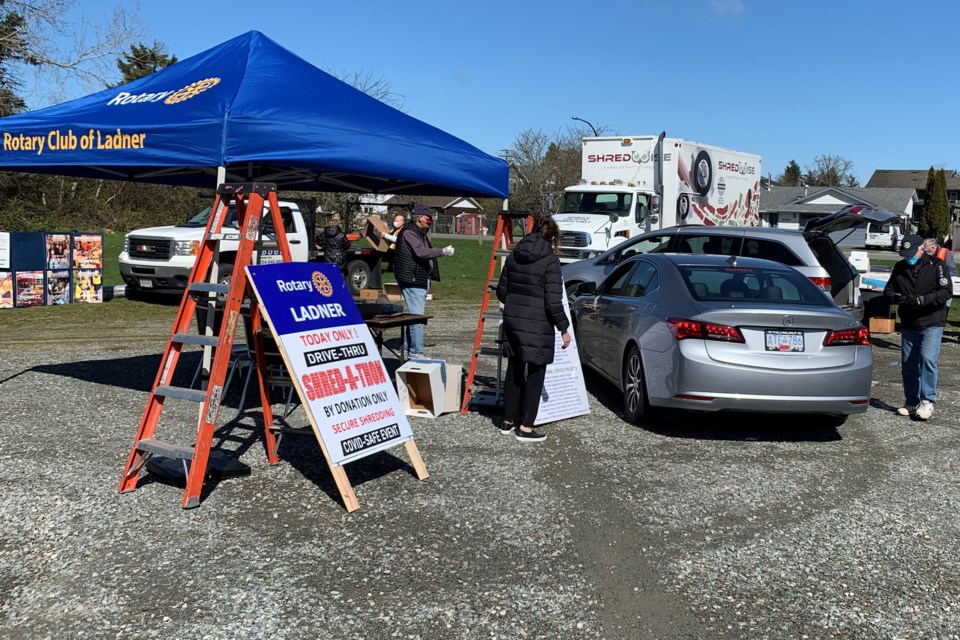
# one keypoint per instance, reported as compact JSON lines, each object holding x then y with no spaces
{"x":614,"y":217}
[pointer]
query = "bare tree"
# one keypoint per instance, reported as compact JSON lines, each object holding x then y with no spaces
{"x":541,"y":166}
{"x":831,"y":171}
{"x":373,"y":86}
{"x":40,"y":37}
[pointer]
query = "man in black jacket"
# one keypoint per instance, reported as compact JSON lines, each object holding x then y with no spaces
{"x":921,"y":286}
{"x":415,"y":268}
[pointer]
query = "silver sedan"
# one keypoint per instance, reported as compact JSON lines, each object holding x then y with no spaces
{"x":715,"y":333}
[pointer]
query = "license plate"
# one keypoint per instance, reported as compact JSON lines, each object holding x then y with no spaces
{"x":146,"y":283}
{"x":784,"y":340}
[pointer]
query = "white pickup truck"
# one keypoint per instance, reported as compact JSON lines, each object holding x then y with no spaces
{"x":160,"y":258}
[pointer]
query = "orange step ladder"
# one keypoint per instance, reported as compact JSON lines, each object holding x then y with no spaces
{"x":249,"y":200}
{"x":474,"y":392}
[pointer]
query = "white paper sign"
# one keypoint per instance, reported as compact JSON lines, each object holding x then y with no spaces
{"x":564,"y":392}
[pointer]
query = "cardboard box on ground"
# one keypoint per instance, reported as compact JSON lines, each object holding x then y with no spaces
{"x":428,"y":388}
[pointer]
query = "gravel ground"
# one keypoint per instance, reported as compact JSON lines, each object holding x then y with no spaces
{"x":698,"y":527}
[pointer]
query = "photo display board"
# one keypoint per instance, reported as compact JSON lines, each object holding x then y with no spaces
{"x":332,"y":358}
{"x":564,"y":392}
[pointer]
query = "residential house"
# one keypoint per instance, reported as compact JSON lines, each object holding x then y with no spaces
{"x":793,"y":207}
{"x":917,"y":179}
{"x":453,"y":215}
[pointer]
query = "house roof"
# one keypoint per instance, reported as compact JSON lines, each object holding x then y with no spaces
{"x":912,"y":178}
{"x":804,"y":199}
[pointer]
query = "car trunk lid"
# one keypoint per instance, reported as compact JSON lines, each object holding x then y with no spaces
{"x":782,"y":337}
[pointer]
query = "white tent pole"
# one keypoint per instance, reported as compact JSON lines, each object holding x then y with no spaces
{"x":221,"y":175}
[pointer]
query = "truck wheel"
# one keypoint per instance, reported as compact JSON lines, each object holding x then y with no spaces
{"x":702,"y":173}
{"x":358,"y":276}
{"x":223,"y":277}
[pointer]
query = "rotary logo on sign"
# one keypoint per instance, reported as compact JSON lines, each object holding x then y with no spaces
{"x":322,"y":284}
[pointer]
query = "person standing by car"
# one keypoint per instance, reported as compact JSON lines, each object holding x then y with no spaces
{"x":919,"y":284}
{"x":335,"y":243}
{"x":531,"y":290}
{"x":416,"y":268}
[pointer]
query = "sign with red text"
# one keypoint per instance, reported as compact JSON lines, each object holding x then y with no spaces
{"x":332,"y":358}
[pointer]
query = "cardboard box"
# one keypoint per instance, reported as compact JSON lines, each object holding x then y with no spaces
{"x":421,"y":380}
{"x":420,"y":388}
{"x":860,"y":260}
{"x":374,"y":231}
{"x":370,"y":294}
{"x":882,"y":325}
{"x":453,"y":391}
{"x":392,"y":291}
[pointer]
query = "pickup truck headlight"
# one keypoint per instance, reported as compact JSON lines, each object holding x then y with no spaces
{"x":187,"y":248}
{"x":126,"y":244}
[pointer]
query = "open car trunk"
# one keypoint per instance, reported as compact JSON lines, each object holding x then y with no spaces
{"x":844,"y":278}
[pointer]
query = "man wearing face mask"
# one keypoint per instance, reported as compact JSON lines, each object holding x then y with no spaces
{"x":415,"y":268}
{"x":920,"y":286}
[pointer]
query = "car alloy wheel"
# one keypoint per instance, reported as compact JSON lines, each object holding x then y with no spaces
{"x":635,"y":403}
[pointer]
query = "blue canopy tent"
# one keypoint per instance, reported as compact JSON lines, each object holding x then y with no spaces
{"x":253,"y":111}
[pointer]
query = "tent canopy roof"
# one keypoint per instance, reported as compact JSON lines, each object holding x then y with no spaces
{"x":262,"y":112}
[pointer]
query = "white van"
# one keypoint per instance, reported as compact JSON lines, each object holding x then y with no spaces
{"x":883,"y":236}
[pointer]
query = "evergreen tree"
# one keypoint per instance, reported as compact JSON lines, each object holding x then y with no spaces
{"x":791,"y":175}
{"x":142,"y":60}
{"x":935,"y":215}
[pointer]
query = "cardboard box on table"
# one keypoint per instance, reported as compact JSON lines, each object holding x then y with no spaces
{"x":429,"y":388}
{"x":370,"y":294}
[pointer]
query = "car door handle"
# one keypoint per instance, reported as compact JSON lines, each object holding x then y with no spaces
{"x":293,"y":241}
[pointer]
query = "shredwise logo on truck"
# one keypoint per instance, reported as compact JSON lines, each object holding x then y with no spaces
{"x":634,"y":184}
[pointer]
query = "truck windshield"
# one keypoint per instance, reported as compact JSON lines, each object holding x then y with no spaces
{"x":200,"y":220}
{"x":596,"y":202}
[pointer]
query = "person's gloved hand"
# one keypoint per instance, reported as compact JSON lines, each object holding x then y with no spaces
{"x":448,"y":251}
{"x":895,"y":297}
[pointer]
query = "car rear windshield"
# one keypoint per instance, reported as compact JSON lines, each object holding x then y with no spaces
{"x":725,"y":283}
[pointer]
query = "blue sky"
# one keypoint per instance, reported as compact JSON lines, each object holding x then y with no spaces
{"x":871,"y":80}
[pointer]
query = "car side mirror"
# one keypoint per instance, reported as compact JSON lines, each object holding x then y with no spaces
{"x":586,"y":289}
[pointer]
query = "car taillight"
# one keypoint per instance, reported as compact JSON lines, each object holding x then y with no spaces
{"x":683,"y":329}
{"x":822,"y":282}
{"x":847,"y":337}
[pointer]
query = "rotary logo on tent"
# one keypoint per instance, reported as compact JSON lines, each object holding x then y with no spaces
{"x":191,"y":90}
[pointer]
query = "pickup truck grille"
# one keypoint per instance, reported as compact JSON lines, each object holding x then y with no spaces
{"x":147,"y":248}
{"x":573,"y":239}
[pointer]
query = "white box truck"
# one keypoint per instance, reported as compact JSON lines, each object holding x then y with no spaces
{"x":633,"y":184}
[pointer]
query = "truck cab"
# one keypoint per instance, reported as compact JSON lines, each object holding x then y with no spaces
{"x":160,"y":258}
{"x":594,"y":218}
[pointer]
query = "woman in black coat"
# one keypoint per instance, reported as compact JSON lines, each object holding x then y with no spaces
{"x":531,"y":290}
{"x":335,"y":244}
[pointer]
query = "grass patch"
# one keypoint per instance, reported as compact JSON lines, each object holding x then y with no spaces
{"x":464,"y":274}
